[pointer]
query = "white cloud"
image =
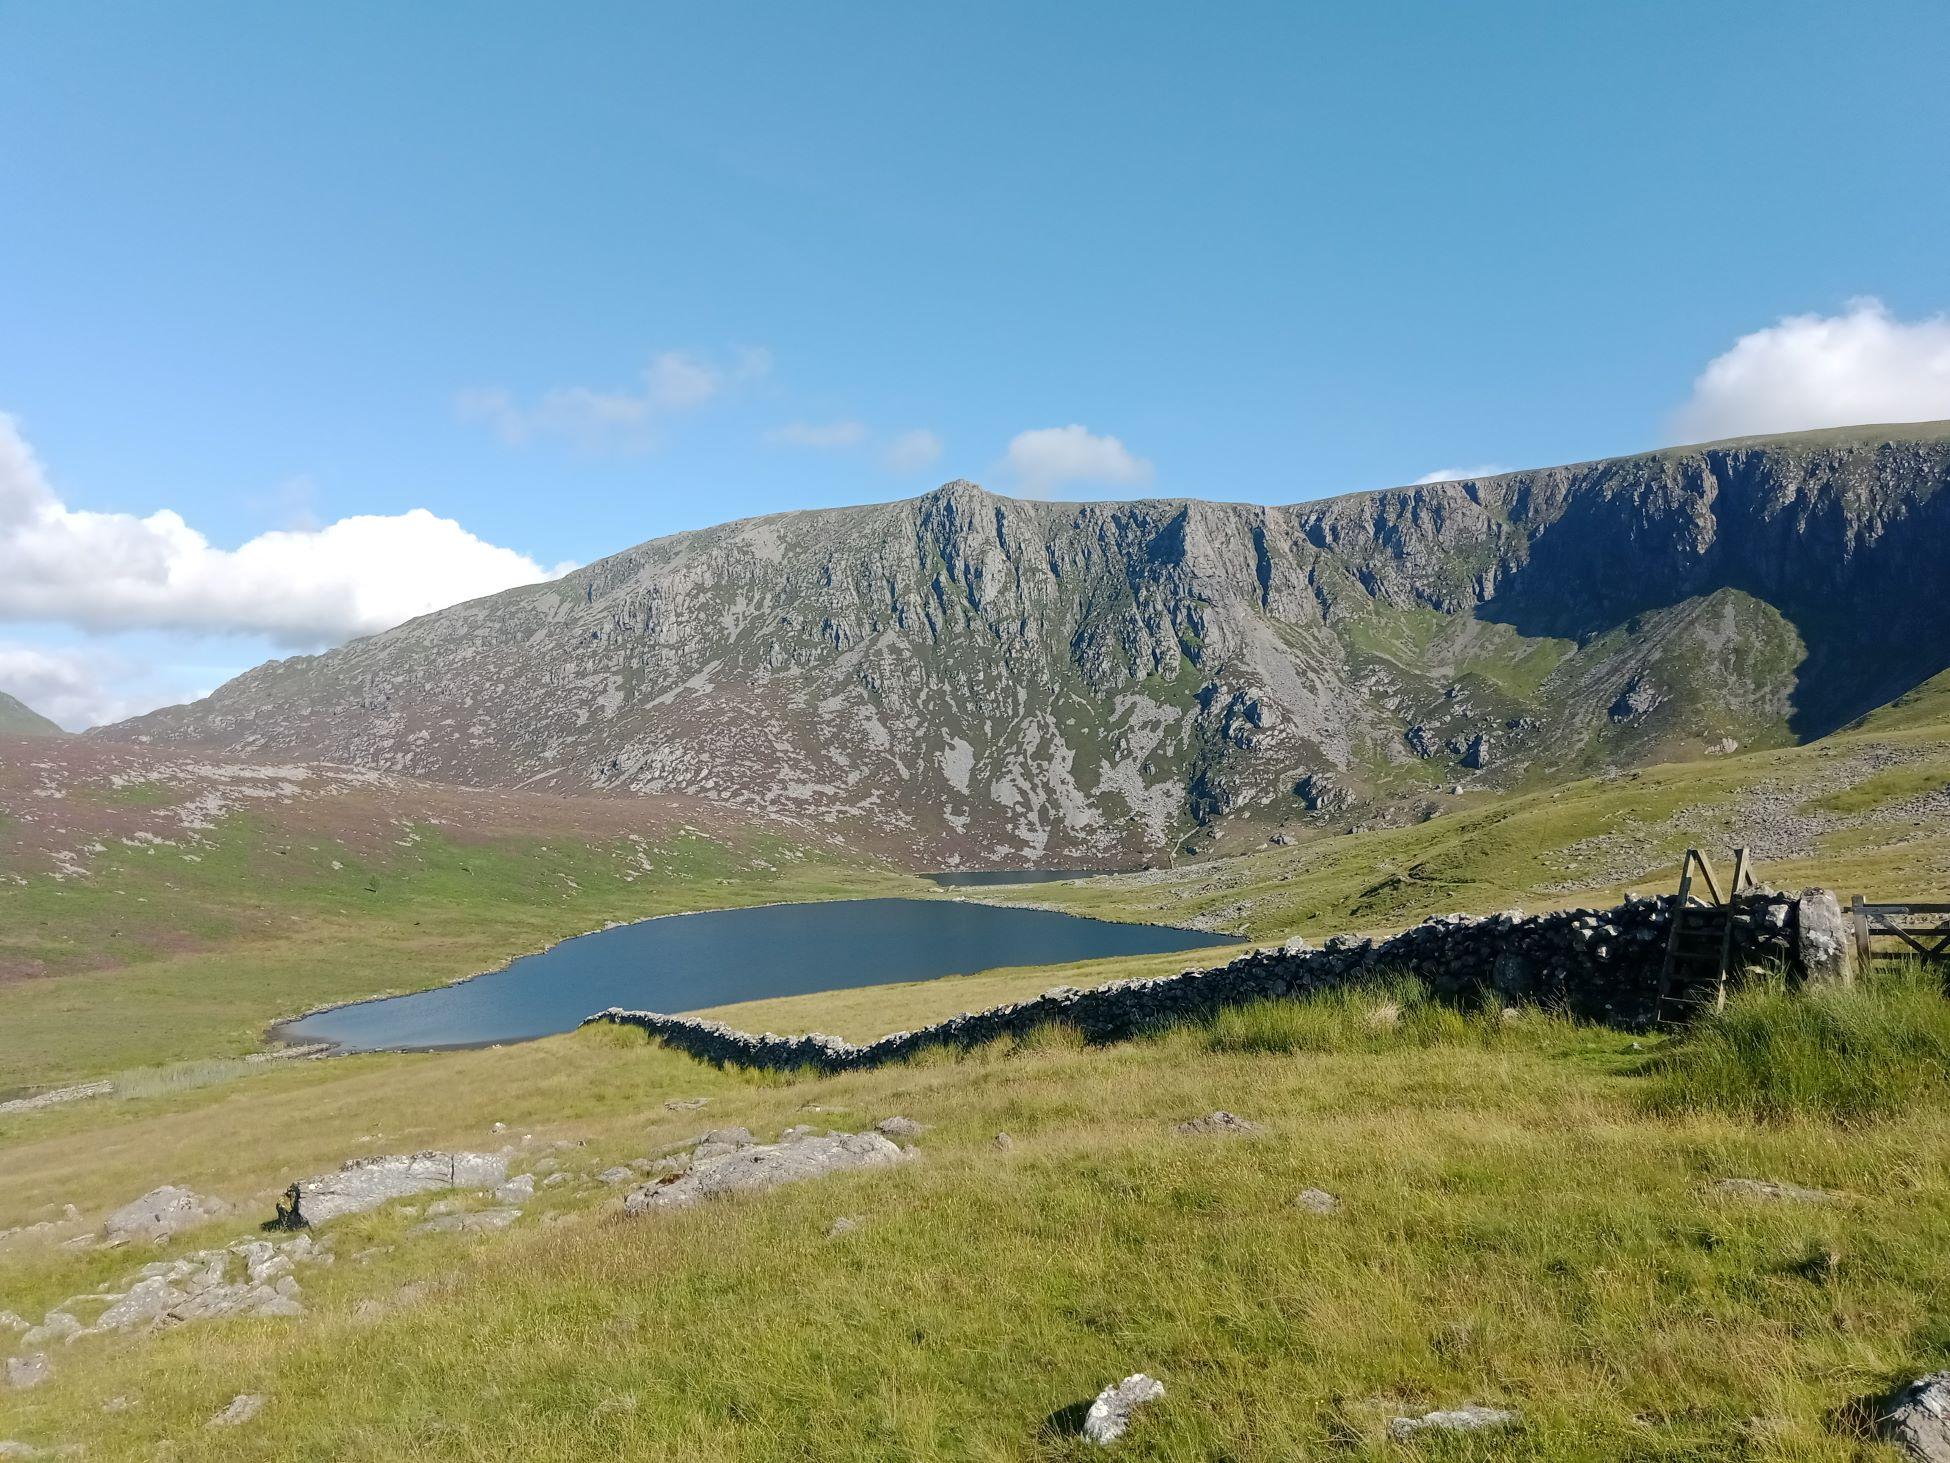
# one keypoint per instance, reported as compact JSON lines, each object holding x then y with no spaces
{"x":912,"y":451}
{"x":79,"y":688}
{"x":1862,"y":366}
{"x":1051,"y":457}
{"x":303,"y":588}
{"x":1461,"y":474}
{"x":823,"y":435}
{"x":621,"y":419}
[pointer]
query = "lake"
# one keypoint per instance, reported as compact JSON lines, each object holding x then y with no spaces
{"x":685,"y":962}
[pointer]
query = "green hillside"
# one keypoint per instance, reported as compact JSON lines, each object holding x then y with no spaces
{"x":17,"y":719}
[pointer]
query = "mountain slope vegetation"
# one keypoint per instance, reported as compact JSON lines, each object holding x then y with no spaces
{"x":17,"y":719}
{"x":980,"y":679}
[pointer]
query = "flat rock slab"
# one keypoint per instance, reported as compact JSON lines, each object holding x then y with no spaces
{"x":1219,"y":1124}
{"x":478,"y":1221}
{"x":159,"y":1215}
{"x":1916,"y":1418}
{"x":1767,"y":1189}
{"x":243,"y":1407}
{"x":1109,"y":1417}
{"x":756,"y":1166}
{"x":1455,"y":1420}
{"x":366,"y":1183}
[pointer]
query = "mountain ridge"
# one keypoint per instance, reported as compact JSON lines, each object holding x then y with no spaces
{"x":985,"y":678}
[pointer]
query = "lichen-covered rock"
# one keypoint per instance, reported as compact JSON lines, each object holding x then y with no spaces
{"x":899,"y":1127}
{"x":28,"y":1371}
{"x":764,"y":1166}
{"x":1109,"y":1417}
{"x":243,"y":1407}
{"x":1219,"y":1125}
{"x":1917,"y":1418}
{"x":159,"y":1215}
{"x":1316,"y":1201}
{"x":366,"y":1183}
{"x":1455,"y":1420}
{"x":1767,"y":1189}
{"x":1824,"y":950}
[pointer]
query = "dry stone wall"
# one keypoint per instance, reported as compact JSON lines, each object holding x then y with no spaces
{"x":1599,"y":965}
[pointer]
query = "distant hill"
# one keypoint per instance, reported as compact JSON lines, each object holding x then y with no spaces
{"x":20,"y":720}
{"x":977,"y":678}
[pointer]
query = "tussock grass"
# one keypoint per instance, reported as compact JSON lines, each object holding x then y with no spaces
{"x":1516,"y":1229}
{"x":140,"y":1082}
{"x":1867,"y":1052}
{"x":1386,"y":1014}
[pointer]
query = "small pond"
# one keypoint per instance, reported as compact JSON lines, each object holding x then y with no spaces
{"x":686,"y":962}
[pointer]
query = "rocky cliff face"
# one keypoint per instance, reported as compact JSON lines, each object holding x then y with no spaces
{"x":976,"y":678}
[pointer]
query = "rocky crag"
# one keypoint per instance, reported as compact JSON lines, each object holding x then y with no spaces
{"x":975,"y":679}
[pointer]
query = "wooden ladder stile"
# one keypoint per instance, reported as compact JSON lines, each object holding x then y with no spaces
{"x":1699,"y":942}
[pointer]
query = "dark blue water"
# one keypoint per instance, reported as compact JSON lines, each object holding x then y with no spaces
{"x":688,"y":961}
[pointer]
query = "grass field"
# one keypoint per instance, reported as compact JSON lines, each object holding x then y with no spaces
{"x":1519,"y":1227}
{"x":1529,"y":1213}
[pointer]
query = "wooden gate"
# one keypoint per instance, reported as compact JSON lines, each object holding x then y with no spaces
{"x":1923,"y":928}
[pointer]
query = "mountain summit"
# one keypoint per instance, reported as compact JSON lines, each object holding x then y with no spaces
{"x":969,"y":678}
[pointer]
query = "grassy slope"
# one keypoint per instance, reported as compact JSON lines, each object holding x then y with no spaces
{"x":1521,"y":1225}
{"x":17,"y":719}
{"x":283,"y":931}
{"x":1518,"y":1229}
{"x":1509,"y":851}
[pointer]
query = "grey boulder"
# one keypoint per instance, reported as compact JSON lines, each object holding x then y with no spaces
{"x":758,"y":1166}
{"x":366,"y":1183}
{"x":27,"y":1371}
{"x":1109,"y":1417}
{"x":1219,"y":1124}
{"x":243,"y":1407}
{"x":1916,"y":1418}
{"x":1767,"y":1189}
{"x":159,"y":1215}
{"x":1455,"y":1420}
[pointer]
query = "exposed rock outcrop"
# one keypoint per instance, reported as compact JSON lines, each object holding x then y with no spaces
{"x":746,"y":1167}
{"x":966,"y":675}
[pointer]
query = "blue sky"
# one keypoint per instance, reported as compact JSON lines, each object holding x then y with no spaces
{"x":572,"y":277}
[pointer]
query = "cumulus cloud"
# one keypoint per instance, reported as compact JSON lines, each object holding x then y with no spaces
{"x":912,"y":451}
{"x":1049,"y":458}
{"x":1861,"y":366}
{"x":822,"y":435}
{"x":1461,"y":474}
{"x":83,"y":687}
{"x":302,"y":588}
{"x":618,"y":419}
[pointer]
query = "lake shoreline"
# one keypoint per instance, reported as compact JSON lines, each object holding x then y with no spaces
{"x":884,"y":940}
